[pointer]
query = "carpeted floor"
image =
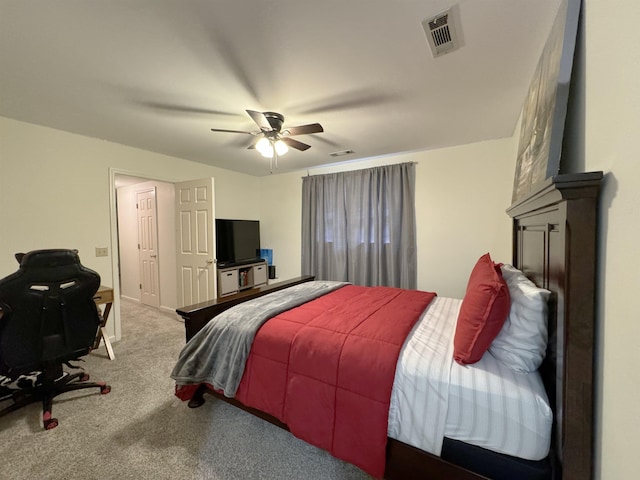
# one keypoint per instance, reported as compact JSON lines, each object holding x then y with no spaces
{"x":141,"y":431}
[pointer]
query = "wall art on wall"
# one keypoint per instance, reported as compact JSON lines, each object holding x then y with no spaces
{"x":545,"y":108}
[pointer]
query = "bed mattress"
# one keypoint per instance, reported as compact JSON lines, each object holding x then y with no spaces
{"x":485,"y":404}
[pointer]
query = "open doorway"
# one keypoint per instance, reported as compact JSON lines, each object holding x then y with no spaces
{"x":124,"y":241}
{"x":137,"y":281}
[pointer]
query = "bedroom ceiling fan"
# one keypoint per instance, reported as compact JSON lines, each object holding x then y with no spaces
{"x":275,"y":141}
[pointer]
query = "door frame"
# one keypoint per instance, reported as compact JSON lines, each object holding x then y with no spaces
{"x":114,"y":328}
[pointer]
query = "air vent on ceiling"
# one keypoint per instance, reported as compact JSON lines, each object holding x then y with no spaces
{"x":442,"y":34}
{"x":341,"y":153}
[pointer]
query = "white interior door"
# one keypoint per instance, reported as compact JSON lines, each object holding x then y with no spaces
{"x":195,"y":243}
{"x":148,"y":247}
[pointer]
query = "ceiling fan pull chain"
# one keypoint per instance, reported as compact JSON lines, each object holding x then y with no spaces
{"x":273,"y":161}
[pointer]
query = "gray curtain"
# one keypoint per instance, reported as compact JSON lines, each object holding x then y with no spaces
{"x":360,"y":226}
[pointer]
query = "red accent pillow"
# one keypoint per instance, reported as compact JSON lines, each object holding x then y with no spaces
{"x":484,"y":309}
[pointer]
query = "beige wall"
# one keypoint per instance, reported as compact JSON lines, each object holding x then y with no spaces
{"x":458,"y":187}
{"x":70,"y":173}
{"x":606,"y":127}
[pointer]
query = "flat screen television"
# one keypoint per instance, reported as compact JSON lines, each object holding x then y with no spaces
{"x":237,"y":241}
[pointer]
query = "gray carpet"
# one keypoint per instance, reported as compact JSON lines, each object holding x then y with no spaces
{"x":142,"y":431}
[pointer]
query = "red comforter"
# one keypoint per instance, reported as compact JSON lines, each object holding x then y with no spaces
{"x":326,"y":369}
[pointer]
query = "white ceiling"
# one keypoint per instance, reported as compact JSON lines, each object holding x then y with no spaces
{"x":159,"y":74}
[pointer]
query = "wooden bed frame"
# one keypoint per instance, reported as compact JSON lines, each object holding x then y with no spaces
{"x":554,"y":244}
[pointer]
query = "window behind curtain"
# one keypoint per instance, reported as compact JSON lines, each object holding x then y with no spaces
{"x":360,"y":226}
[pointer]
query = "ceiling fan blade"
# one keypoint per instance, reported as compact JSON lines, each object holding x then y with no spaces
{"x":231,"y":131}
{"x":236,"y":63}
{"x":304,"y":129}
{"x":167,"y":107}
{"x":354,"y":99}
{"x":261,"y":120}
{"x":295,"y":144}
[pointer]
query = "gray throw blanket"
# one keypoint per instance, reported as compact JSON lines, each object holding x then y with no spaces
{"x":217,"y":354}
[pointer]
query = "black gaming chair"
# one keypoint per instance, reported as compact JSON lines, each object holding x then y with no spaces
{"x":47,"y":319}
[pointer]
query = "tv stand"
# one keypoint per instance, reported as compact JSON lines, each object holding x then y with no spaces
{"x":233,"y":279}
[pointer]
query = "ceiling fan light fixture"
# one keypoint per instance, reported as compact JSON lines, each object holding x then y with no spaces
{"x":275,"y":141}
{"x":281,"y":147}
{"x":264,"y":147}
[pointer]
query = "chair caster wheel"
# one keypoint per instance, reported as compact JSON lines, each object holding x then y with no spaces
{"x":84,"y":377}
{"x":105,"y":389}
{"x":50,"y":424}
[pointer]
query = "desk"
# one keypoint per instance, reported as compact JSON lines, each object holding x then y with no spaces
{"x":104,"y":296}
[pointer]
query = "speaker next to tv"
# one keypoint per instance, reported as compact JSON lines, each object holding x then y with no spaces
{"x":272,"y":272}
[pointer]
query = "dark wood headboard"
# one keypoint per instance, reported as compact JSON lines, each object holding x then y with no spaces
{"x":554,"y":244}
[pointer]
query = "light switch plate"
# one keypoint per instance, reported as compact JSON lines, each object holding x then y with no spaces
{"x":102,"y":252}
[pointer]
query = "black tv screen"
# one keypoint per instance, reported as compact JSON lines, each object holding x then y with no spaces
{"x":237,"y":241}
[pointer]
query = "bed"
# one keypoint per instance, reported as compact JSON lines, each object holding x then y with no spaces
{"x":554,"y":245}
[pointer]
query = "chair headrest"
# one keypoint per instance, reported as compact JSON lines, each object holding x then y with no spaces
{"x":51,"y":258}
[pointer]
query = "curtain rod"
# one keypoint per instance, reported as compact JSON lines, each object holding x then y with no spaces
{"x":387,"y":165}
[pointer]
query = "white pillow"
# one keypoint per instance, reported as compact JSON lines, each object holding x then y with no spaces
{"x":522,"y":341}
